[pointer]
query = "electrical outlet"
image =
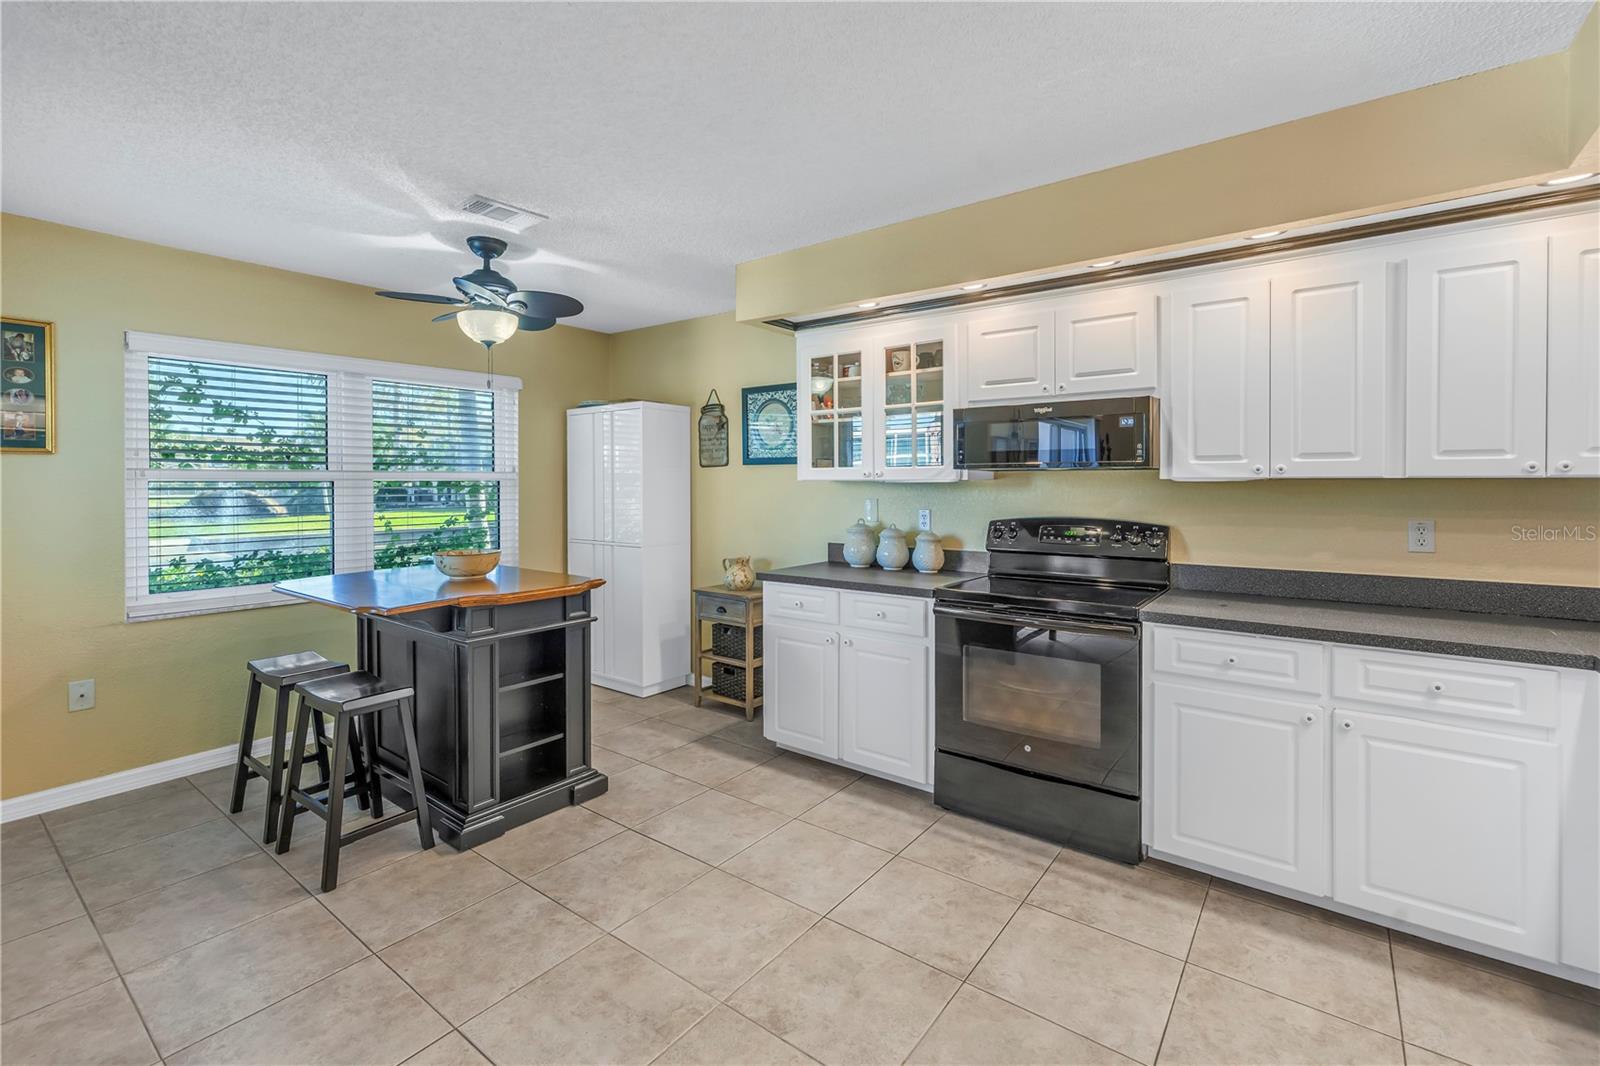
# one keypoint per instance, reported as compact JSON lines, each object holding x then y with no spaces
{"x":1419,"y":535}
{"x":80,"y":695}
{"x":925,"y":519}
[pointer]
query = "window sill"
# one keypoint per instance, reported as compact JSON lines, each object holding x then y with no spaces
{"x":148,"y":611}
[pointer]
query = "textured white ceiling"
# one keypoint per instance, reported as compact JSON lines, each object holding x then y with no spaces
{"x":667,"y":142}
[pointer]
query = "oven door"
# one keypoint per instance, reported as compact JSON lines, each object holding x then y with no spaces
{"x":1052,"y":697}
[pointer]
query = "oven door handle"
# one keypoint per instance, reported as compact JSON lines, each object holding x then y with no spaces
{"x":1061,"y":624}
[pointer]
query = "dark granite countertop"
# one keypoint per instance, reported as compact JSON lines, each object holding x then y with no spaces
{"x":907,"y":582}
{"x":1517,"y":638}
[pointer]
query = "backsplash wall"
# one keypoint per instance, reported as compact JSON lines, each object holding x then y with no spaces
{"x":1503,"y":530}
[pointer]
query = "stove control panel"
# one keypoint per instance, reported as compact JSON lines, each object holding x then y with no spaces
{"x":1079,"y":536}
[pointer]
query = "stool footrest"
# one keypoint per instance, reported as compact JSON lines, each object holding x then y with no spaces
{"x":377,"y":825}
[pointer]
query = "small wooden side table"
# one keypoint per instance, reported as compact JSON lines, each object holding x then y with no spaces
{"x":716,"y":604}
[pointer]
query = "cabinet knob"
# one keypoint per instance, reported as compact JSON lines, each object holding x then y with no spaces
{"x":845,"y":642}
{"x":1437,"y":686}
{"x":877,"y":614}
{"x":1232,"y":659}
{"x":1257,"y":468}
{"x":799,"y":603}
{"x":1347,"y":724}
{"x":1310,"y":718}
{"x":1280,"y":468}
{"x":1531,"y":468}
{"x":827,"y":640}
{"x":1044,"y":388}
{"x":1564,"y":465}
{"x":1062,"y":387}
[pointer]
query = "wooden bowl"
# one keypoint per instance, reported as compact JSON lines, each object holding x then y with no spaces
{"x":459,"y":564}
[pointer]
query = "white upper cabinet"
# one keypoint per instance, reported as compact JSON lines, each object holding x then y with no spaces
{"x":1106,"y":343}
{"x":1475,"y":355}
{"x":1010,"y":355}
{"x":833,"y":442}
{"x":913,"y":418}
{"x":1574,"y":406}
{"x":1217,"y":402}
{"x":1330,"y":369}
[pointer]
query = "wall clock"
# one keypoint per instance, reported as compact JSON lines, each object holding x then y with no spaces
{"x":769,"y":424}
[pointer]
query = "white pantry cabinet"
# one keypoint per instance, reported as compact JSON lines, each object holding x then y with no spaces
{"x":1219,"y":358}
{"x":1331,"y":387}
{"x":849,"y":677}
{"x":1574,"y":406}
{"x":1438,"y":793}
{"x":628,"y":524}
{"x":1475,"y":355}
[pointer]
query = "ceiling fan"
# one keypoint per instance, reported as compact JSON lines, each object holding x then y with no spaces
{"x":490,"y":308}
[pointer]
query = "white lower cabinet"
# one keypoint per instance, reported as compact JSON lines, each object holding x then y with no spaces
{"x":852,"y":695}
{"x":883,"y":705}
{"x":1444,"y":793}
{"x":801,"y":675}
{"x":1243,"y":783}
{"x":1453,"y":829}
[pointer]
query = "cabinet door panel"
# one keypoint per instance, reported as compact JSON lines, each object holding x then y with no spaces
{"x":625,"y":599}
{"x":1010,"y":356}
{"x":1218,"y":399}
{"x":1574,"y":406}
{"x":1106,"y":342}
{"x":584,"y":480}
{"x":1451,"y":829}
{"x":801,"y":708}
{"x":912,"y":412}
{"x":1330,"y":371}
{"x":585,"y":558}
{"x":834,"y":442}
{"x":1475,"y":359}
{"x":1241,"y":784}
{"x":625,"y":441}
{"x":883,"y":706}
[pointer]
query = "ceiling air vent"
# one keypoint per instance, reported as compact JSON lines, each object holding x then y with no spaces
{"x":502,"y":213}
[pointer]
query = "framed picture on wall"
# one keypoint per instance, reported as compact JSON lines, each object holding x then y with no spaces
{"x":769,"y":424}
{"x":27,"y":386}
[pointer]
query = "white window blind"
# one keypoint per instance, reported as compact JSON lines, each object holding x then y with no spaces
{"x":248,"y":465}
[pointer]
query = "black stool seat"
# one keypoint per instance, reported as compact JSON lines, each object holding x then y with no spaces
{"x":347,"y":699}
{"x":282,"y":673}
{"x":352,"y":692}
{"x":294,"y":668}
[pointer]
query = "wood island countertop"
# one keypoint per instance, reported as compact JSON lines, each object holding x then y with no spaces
{"x":418,"y":588}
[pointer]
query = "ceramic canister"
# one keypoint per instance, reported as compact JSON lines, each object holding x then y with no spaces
{"x":860,"y":545}
{"x":892,"y":551}
{"x":929,"y":556}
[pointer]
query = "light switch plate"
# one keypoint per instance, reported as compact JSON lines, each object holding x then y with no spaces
{"x":1419,"y":535}
{"x":925,"y":519}
{"x":80,"y":695}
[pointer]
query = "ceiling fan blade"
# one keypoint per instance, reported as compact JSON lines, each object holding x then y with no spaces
{"x":420,"y":297}
{"x":478,"y":294}
{"x":532,"y":324}
{"x":545,"y":304}
{"x":448,"y":314}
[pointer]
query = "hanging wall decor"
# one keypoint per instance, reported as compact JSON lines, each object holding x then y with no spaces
{"x":713,"y":432}
{"x":769,"y":424}
{"x":27,"y":386}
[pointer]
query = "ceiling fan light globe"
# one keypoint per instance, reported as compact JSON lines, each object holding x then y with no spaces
{"x":487,"y":325}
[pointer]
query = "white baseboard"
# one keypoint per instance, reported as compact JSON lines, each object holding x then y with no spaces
{"x":54,"y":799}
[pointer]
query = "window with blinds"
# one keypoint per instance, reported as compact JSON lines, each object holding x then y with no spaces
{"x":248,"y":466}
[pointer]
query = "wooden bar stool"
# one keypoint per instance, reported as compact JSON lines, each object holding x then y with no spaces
{"x":281,"y":674}
{"x":347,"y":698}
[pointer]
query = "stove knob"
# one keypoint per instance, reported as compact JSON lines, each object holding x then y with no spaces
{"x":1011,"y":532}
{"x":1116,"y":535}
{"x":1155,"y":539}
{"x":1136,"y":537}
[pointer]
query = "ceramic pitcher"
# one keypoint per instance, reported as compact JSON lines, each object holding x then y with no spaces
{"x":739,"y":575}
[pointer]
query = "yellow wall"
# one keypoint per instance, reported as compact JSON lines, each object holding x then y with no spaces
{"x":1487,"y":131}
{"x":1314,"y":525}
{"x":171,"y":688}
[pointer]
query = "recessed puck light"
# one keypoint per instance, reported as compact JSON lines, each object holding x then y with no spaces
{"x":1265,"y":235}
{"x":867,"y":303}
{"x":1569,"y":179}
{"x":973,"y":286}
{"x":1104,"y":263}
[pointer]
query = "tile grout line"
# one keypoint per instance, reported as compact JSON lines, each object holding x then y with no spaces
{"x":1182,"y":972}
{"x":121,"y":978}
{"x":1399,"y":1013}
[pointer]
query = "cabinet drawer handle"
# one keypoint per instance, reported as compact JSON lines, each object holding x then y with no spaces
{"x":722,"y":610}
{"x":1437,"y":686}
{"x":877,"y":614}
{"x":1233,"y":660}
{"x":799,"y":603}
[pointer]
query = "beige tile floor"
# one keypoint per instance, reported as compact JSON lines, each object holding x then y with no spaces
{"x":723,"y":903}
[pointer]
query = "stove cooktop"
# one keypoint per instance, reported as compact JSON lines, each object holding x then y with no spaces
{"x":1088,"y":599}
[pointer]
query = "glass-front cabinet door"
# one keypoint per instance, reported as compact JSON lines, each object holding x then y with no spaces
{"x":835,"y":442}
{"x":914,"y":407}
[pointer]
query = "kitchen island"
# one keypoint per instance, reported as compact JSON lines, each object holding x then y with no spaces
{"x":500,"y":665}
